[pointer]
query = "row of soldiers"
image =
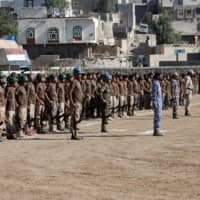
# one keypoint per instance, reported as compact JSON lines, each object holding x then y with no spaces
{"x":60,"y":102}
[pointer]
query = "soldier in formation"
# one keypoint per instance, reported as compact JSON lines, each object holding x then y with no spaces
{"x":58,"y":103}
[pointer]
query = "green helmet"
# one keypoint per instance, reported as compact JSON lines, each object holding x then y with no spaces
{"x":52,"y":76}
{"x":12,"y":79}
{"x":23,"y":78}
{"x":62,"y":76}
{"x":69,"y":75}
{"x":2,"y":75}
{"x":14,"y":75}
{"x":39,"y":77}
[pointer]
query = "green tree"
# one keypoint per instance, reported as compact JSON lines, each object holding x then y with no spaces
{"x":106,"y":6}
{"x":57,"y":3}
{"x":8,"y":25}
{"x":164,"y":30}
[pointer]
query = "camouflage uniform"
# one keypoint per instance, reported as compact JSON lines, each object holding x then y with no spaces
{"x":147,"y":93}
{"x":131,"y":103}
{"x":76,"y":99}
{"x":105,"y":103}
{"x":2,"y":109}
{"x":40,"y":107}
{"x":61,"y":105}
{"x":52,"y":98}
{"x":21,"y":100}
{"x":31,"y":104}
{"x":11,"y":112}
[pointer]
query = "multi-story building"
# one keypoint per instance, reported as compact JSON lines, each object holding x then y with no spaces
{"x":187,"y":21}
{"x":6,"y":3}
{"x":75,"y":36}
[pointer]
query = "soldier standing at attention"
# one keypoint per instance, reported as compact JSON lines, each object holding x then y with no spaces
{"x":147,"y":92}
{"x":40,"y":102}
{"x":188,"y":91}
{"x":52,"y":98}
{"x":105,"y":102}
{"x":2,"y":103}
{"x":175,"y":94}
{"x":68,"y":83}
{"x":76,"y":101}
{"x":130,"y":86}
{"x":22,"y":105}
{"x":121,"y":96}
{"x":157,"y":103}
{"x":11,"y":107}
{"x":141,"y":92}
{"x":31,"y":102}
{"x":61,"y":102}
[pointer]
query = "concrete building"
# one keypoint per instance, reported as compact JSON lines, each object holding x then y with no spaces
{"x":67,"y":37}
{"x":6,"y":3}
{"x":187,"y":22}
{"x":175,"y":55}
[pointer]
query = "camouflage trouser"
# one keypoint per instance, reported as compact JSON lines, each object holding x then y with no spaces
{"x":53,"y":113}
{"x":121,"y":105}
{"x":86,"y":107}
{"x":147,"y":100}
{"x":131,"y":105}
{"x":39,"y":115}
{"x":10,"y":125}
{"x":76,"y":115}
{"x":2,"y":118}
{"x":22,"y":119}
{"x":61,"y":117}
{"x":31,"y":116}
{"x":175,"y":105}
{"x":114,"y":104}
{"x":188,"y":99}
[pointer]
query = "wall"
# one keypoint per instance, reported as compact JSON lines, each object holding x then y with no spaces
{"x":167,"y":53}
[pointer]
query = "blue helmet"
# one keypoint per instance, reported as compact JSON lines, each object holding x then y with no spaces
{"x":77,"y":71}
{"x":106,"y":77}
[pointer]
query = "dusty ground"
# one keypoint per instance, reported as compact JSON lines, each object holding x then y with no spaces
{"x":126,"y":164}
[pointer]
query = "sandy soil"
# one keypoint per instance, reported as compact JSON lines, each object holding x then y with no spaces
{"x":126,"y":164}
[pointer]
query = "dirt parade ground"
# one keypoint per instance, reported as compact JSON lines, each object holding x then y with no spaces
{"x":125,"y":164}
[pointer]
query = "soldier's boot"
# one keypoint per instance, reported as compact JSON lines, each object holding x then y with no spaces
{"x":40,"y":130}
{"x":11,"y":136}
{"x":1,"y":138}
{"x":74,"y":131}
{"x":54,"y":128}
{"x":21,"y":134}
{"x":104,"y":128}
{"x":175,"y":116}
{"x":157,"y":132}
{"x":75,"y":135}
{"x":187,"y":114}
{"x":133,"y":112}
{"x":62,"y":126}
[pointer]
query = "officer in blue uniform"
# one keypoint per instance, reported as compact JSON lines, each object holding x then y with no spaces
{"x":157,"y":103}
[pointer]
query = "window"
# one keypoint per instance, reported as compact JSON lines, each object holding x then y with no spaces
{"x":77,"y":33}
{"x":188,"y":13}
{"x":180,"y":14}
{"x":198,"y":11}
{"x":198,"y":27}
{"x":30,"y":36}
{"x":29,"y":3}
{"x":53,"y":35}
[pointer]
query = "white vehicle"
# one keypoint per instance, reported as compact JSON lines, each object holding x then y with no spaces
{"x":143,"y":28}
